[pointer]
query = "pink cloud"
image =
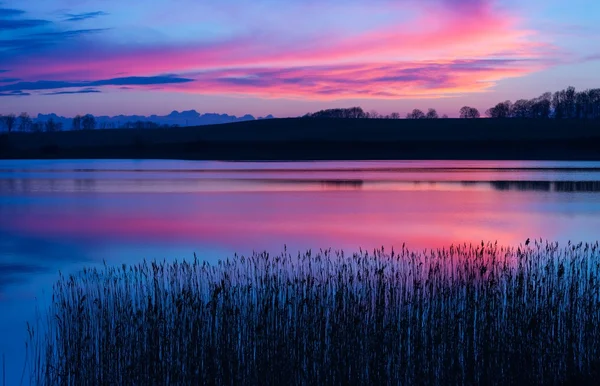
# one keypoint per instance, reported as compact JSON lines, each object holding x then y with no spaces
{"x":446,"y":50}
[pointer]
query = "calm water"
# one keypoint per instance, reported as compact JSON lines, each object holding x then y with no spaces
{"x":63,"y":215}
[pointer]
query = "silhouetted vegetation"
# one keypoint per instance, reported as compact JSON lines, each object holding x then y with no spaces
{"x":564,"y":104}
{"x":431,"y":114}
{"x":461,"y":315}
{"x":88,"y":122}
{"x":8,"y":121}
{"x":415,"y":114}
{"x":468,"y":112}
{"x":25,"y":122}
{"x":145,"y":125}
{"x":352,"y":112}
{"x":76,"y":125}
{"x":50,"y":126}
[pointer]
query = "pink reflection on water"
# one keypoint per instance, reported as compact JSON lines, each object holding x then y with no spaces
{"x":311,"y":219}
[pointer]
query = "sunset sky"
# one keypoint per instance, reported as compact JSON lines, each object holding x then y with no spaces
{"x":286,"y":58}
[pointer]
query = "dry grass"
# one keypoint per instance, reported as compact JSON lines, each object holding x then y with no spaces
{"x":463,"y":315}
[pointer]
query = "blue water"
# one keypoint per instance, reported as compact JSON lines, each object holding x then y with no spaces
{"x":64,"y":215}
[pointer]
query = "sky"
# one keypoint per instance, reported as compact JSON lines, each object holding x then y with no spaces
{"x":287,"y":58}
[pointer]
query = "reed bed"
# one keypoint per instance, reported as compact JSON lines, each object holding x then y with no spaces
{"x":463,"y":315}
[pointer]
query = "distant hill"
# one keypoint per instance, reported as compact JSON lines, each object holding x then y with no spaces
{"x":175,"y":118}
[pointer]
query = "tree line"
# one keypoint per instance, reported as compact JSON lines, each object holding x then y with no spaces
{"x":564,"y":104}
{"x":358,"y":112}
{"x":25,"y":123}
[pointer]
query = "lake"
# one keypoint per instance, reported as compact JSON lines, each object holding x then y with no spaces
{"x":64,"y":215}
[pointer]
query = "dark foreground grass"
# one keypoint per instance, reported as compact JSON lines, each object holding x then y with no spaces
{"x":462,"y":315}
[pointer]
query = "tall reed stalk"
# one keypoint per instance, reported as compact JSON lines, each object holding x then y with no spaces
{"x":463,"y":315}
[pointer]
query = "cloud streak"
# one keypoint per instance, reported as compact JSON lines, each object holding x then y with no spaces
{"x":8,"y":12}
{"x":84,"y":91}
{"x":84,"y":16}
{"x":15,"y":93}
{"x":418,"y":49}
{"x":392,"y":80}
{"x":8,"y":24}
{"x":126,"y":81}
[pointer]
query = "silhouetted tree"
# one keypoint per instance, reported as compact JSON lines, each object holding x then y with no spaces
{"x":373,"y":114}
{"x":469,"y":112}
{"x":25,"y":122}
{"x":431,"y":114}
{"x":522,"y":108}
{"x":587,"y":104}
{"x":394,"y":116}
{"x":37,"y":127}
{"x":540,"y":106}
{"x":88,"y":122}
{"x":563,"y":103}
{"x":415,"y":114}
{"x":501,"y":110}
{"x":570,"y":101}
{"x":445,"y":116}
{"x":9,"y":121}
{"x":353,"y":112}
{"x":51,"y":126}
{"x":77,"y":122}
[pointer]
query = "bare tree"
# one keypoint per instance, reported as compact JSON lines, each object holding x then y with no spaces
{"x":77,"y":122}
{"x":373,"y":114}
{"x":501,"y":110}
{"x":88,"y":122}
{"x":522,"y":108}
{"x":25,"y":122}
{"x":469,"y":112}
{"x":9,"y":121}
{"x":395,"y":116}
{"x":415,"y":114}
{"x":51,"y":126}
{"x":445,"y":116}
{"x":431,"y":114}
{"x":352,"y":112}
{"x":37,"y":127}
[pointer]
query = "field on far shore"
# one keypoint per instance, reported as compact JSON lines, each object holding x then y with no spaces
{"x":322,"y":139}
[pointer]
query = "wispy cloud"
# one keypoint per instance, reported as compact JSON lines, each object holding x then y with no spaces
{"x":84,"y":16}
{"x":84,"y":91}
{"x":426,"y":48}
{"x":367,"y":80}
{"x":9,"y":24}
{"x":67,"y":34}
{"x":8,"y":12}
{"x":15,"y":93}
{"x":126,"y":81}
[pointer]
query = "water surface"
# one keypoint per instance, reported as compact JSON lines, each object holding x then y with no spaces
{"x":63,"y":215}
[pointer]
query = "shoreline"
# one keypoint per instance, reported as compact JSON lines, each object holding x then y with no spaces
{"x":300,"y":139}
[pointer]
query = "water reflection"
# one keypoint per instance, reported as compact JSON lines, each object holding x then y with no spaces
{"x":63,"y":215}
{"x":548,"y":186}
